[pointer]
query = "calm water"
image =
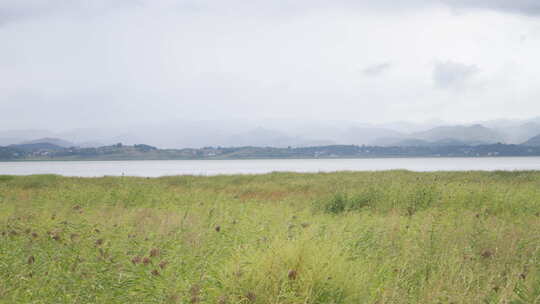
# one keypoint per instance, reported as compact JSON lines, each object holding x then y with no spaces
{"x":214,"y":167}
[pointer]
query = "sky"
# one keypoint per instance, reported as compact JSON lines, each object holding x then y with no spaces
{"x":68,"y":64}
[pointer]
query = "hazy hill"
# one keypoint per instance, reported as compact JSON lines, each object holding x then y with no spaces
{"x":472,"y":135}
{"x":261,"y":137}
{"x":535,"y":141}
{"x":366,"y":135}
{"x":33,"y":147}
{"x":55,"y":141}
{"x":520,"y":133}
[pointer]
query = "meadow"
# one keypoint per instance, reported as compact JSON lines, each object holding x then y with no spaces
{"x":347,"y":237}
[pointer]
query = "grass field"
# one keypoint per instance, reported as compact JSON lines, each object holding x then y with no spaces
{"x":385,"y":237}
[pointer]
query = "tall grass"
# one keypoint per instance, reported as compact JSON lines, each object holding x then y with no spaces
{"x":384,"y":237}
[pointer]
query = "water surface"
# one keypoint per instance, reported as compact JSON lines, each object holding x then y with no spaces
{"x":215,"y":167}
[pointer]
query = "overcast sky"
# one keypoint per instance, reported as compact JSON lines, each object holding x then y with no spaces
{"x":93,"y":63}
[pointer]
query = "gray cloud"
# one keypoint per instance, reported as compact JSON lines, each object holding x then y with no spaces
{"x":376,"y":69}
{"x":453,"y":74}
{"x":12,"y":10}
{"x":527,"y":7}
{"x":100,"y":63}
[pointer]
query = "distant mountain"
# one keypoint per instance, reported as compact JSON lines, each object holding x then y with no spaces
{"x":11,"y":137}
{"x":519,"y":133}
{"x":6,"y":141}
{"x":443,"y":136}
{"x":535,"y":141}
{"x":262,"y":137}
{"x":366,"y":135}
{"x":55,"y":141}
{"x":37,"y":147}
{"x":471,"y":135}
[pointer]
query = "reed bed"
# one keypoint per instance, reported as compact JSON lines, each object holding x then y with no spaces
{"x":346,"y":237}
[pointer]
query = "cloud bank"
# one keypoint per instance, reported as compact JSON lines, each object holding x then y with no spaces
{"x":68,"y":64}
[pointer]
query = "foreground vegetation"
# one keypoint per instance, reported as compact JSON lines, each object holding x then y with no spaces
{"x":385,"y":237}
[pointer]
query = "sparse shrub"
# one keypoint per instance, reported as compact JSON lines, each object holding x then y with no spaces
{"x":36,"y":181}
{"x":342,"y":201}
{"x":421,"y":198}
{"x":6,"y":178}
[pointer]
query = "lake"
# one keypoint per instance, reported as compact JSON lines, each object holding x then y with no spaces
{"x":215,"y":167}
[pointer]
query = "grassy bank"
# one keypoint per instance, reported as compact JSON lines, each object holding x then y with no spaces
{"x":385,"y":237}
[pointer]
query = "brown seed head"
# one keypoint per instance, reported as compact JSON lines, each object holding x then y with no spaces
{"x":155,"y":272}
{"x":163,"y":264}
{"x":99,"y":242}
{"x":293,"y":274}
{"x":77,"y":207}
{"x":218,"y":228}
{"x":31,"y":260}
{"x":34,"y":235}
{"x":174,"y":298}
{"x":146,"y":261}
{"x":250,"y":296}
{"x":97,"y":230}
{"x":487,"y":254}
{"x":195,"y":290}
{"x":223,"y":300}
{"x":154,"y":252}
{"x":305,"y":225}
{"x":136,"y":260}
{"x":56,"y":237}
